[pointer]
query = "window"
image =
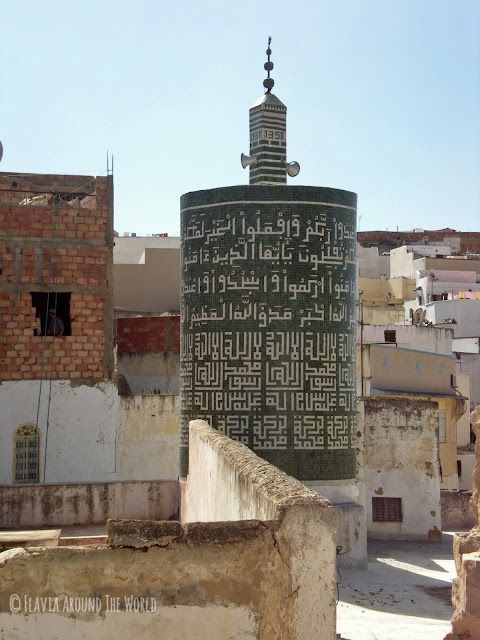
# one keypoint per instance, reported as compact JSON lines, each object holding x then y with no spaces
{"x":459,"y":468}
{"x":52,"y":309}
{"x":26,"y":454}
{"x":387,"y":510}
{"x":390,"y":335}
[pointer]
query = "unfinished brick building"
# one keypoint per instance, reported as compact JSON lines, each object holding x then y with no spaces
{"x":56,"y":242}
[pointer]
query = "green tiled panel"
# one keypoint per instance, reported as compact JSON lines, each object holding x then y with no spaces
{"x":268,"y":323}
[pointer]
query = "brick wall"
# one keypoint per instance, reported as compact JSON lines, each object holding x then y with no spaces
{"x":148,"y":334}
{"x":56,"y":235}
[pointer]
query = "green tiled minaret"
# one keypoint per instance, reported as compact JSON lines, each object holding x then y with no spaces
{"x":268,"y":314}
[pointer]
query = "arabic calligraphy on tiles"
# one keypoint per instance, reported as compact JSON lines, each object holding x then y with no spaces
{"x":256,"y":271}
{"x":268,"y":313}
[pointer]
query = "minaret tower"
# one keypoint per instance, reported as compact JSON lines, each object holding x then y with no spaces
{"x":268,"y":319}
{"x":268,"y":136}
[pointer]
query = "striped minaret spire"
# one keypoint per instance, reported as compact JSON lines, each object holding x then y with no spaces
{"x":268,"y":134}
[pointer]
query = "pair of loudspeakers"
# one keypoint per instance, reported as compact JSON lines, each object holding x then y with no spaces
{"x":293,"y":168}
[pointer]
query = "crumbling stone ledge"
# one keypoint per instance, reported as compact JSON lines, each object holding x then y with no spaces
{"x":141,"y":534}
{"x":271,"y":483}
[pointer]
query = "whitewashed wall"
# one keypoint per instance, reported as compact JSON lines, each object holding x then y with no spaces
{"x":431,"y":339}
{"x":93,"y":434}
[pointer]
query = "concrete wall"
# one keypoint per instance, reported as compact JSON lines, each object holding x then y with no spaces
{"x":403,"y":262}
{"x":383,"y":314}
{"x":466,"y":345}
{"x":447,"y":275}
{"x":382,"y":290}
{"x":131,"y":249}
{"x":81,"y":428}
{"x":153,"y":286}
{"x":94,"y":435}
{"x":463,"y":423}
{"x":391,"y":372}
{"x":469,"y":363}
{"x":430,"y":250}
{"x":410,"y":370}
{"x":199,"y":582}
{"x":144,"y":373}
{"x":411,"y":337}
{"x":39,"y":506}
{"x":467,"y":465}
{"x":370,"y":263}
{"x":465,"y":312}
{"x":401,"y":460}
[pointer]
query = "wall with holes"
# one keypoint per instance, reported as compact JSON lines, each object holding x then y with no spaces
{"x":56,"y":239}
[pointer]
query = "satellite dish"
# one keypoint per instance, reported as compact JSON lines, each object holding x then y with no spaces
{"x":1,"y":150}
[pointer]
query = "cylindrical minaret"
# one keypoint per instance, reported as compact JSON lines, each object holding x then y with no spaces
{"x":268,"y":310}
{"x":268,"y":323}
{"x":268,"y":320}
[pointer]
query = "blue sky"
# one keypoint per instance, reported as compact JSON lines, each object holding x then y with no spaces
{"x":383,"y":99}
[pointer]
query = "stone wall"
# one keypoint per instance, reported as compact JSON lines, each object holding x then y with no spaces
{"x":457,"y":512}
{"x":466,"y":553}
{"x":56,"y":238}
{"x":50,"y":505}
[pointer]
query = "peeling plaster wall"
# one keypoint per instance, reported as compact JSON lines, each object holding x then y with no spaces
{"x":150,"y":372}
{"x":227,"y":583}
{"x":50,"y":505}
{"x":81,"y":428}
{"x":401,"y":459}
{"x":148,"y":438}
{"x":94,"y":435}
